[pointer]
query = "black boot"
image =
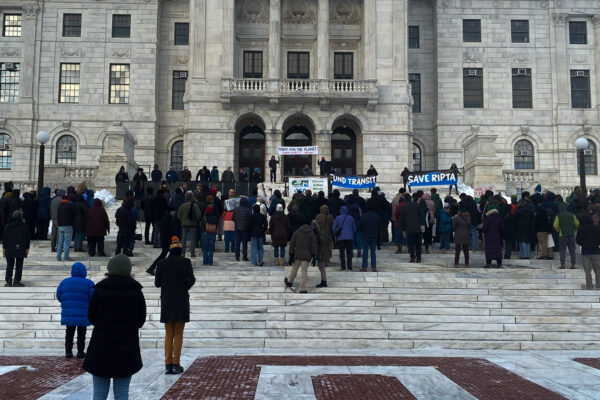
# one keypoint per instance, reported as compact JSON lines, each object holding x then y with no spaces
{"x":168,"y":369}
{"x":322,"y":284}
{"x":68,"y":354}
{"x":150,"y":271}
{"x":177,"y":369}
{"x":17,"y":284}
{"x":80,"y":354}
{"x":287,"y":283}
{"x":8,"y":283}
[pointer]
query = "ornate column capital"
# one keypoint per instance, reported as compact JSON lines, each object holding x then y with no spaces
{"x":31,"y":10}
{"x":596,"y":20}
{"x":560,"y":19}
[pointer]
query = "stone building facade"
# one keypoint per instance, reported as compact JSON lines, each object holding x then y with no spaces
{"x":501,"y":88}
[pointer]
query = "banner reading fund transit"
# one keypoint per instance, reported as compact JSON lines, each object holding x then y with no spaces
{"x":303,"y":184}
{"x":432,"y":178}
{"x":297,"y":150}
{"x":354,"y":182}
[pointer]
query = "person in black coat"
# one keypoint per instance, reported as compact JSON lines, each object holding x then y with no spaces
{"x":29,"y":207}
{"x":159,"y":207}
{"x":258,"y":226}
{"x":126,"y":222}
{"x":335,"y":203}
{"x":413,"y":226}
{"x":525,"y":225}
{"x":80,"y":208}
{"x":117,"y":310}
{"x":241,"y":218}
{"x":309,"y":207}
{"x":15,"y":248}
{"x":370,"y":227}
{"x":147,"y":209}
{"x":174,"y":277}
{"x":168,"y":227}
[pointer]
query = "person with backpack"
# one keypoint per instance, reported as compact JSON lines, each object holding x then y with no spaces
{"x":74,"y":295}
{"x":303,"y":246}
{"x":15,"y":248}
{"x":209,"y":235}
{"x":189,"y":215}
{"x":445,"y":228}
{"x":344,"y":231}
{"x":355,"y":210}
{"x":258,"y":225}
{"x":565,"y":224}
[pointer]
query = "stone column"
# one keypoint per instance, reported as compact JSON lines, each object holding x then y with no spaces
{"x":400,"y":43}
{"x":323,"y":40}
{"x":562,"y":70}
{"x":228,"y":36}
{"x":369,"y":21}
{"x":29,"y":32}
{"x":197,"y":38}
{"x":275,"y":39}
{"x":596,"y":22}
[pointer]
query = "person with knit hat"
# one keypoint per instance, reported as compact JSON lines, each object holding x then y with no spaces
{"x":493,"y":225}
{"x":174,"y":277}
{"x":15,"y":247}
{"x":118,"y":311}
{"x":210,"y":223}
{"x":74,"y":295}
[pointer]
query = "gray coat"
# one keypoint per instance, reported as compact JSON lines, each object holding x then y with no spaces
{"x":55,"y":203}
{"x":461,"y":226}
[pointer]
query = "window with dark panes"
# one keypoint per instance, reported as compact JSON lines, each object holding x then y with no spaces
{"x":417,"y":159}
{"x":524,"y":155}
{"x":415,"y":82}
{"x":71,"y":25}
{"x":521,"y":88}
{"x":253,"y":64}
{"x":519,"y":30}
{"x":298,"y":65}
{"x":343,"y":66}
{"x":473,"y":87}
{"x":179,"y":80}
{"x":69,"y":83}
{"x":177,"y":155}
{"x":471,"y":30}
{"x":11,"y":25}
{"x":66,"y":150}
{"x":580,"y":89}
{"x":577,"y":32}
{"x":590,"y":159}
{"x":119,"y":84}
{"x":5,"y":151}
{"x":413,"y":37}
{"x":121,"y":25}
{"x":9,"y":82}
{"x":182,"y":33}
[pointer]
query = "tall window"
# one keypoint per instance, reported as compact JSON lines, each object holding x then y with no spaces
{"x":5,"y":151}
{"x":69,"y":83}
{"x":11,"y":25}
{"x":182,"y":34}
{"x":298,"y":65}
{"x":343,"y":66}
{"x":119,"y":84}
{"x":253,"y":64}
{"x":177,"y":155}
{"x":519,"y":30}
{"x":66,"y":150}
{"x":590,"y":159}
{"x":471,"y":30}
{"x":179,"y":79}
{"x":580,"y":89}
{"x":521,"y":88}
{"x":9,"y":82}
{"x":72,"y":25}
{"x":417,"y":159}
{"x":577,"y":32}
{"x":121,"y":25}
{"x":473,"y":87}
{"x":415,"y":82}
{"x":524,"y":155}
{"x":413,"y":37}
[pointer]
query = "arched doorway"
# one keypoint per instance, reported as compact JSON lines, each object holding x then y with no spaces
{"x":296,"y":135}
{"x":252,"y":150}
{"x":343,"y":151}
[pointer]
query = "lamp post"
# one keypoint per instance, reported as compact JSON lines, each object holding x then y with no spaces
{"x":581,"y":144}
{"x":42,"y":138}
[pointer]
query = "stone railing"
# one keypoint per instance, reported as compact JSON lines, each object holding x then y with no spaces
{"x":298,"y":85}
{"x":352,"y":86}
{"x":80,"y":172}
{"x":518,"y":176}
{"x":249,"y":85}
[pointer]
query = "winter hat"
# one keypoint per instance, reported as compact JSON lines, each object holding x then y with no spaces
{"x":175,"y":243}
{"x":279,"y":207}
{"x":213,"y":191}
{"x":492,"y":207}
{"x":446,"y":205}
{"x":119,"y":265}
{"x":17,"y":214}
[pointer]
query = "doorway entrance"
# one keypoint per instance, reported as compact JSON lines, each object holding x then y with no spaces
{"x":252,"y":150}
{"x":297,"y":135}
{"x":343,"y":151}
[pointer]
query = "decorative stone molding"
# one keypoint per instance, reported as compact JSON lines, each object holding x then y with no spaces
{"x":582,"y":59}
{"x":298,"y":44}
{"x":181,"y":60}
{"x":31,"y":11}
{"x":560,"y":19}
{"x":299,"y":12}
{"x":252,"y":11}
{"x":475,"y":130}
{"x":472,"y":56}
{"x":71,"y":52}
{"x":10,"y":52}
{"x":2,"y":123}
{"x":524,"y":130}
{"x":120,"y":53}
{"x":596,"y":20}
{"x":521,"y":59}
{"x":66,"y":124}
{"x":587,"y":130}
{"x":117,"y":123}
{"x":345,"y":12}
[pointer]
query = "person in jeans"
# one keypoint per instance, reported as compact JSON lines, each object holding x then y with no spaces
{"x":74,"y":295}
{"x":189,"y":215}
{"x":65,"y":218}
{"x":588,"y":237}
{"x":461,"y":225}
{"x":209,"y":235}
{"x":241,"y":218}
{"x":258,"y":226}
{"x":370,"y":227}
{"x":303,"y":246}
{"x":413,"y":226}
{"x":229,"y":231}
{"x":15,"y":247}
{"x":54,"y":203}
{"x":279,"y":227}
{"x":565,"y":224}
{"x":118,"y":311}
{"x":445,"y":228}
{"x":344,"y":230}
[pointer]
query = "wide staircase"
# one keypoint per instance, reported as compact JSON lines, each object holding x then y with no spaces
{"x":528,"y":304}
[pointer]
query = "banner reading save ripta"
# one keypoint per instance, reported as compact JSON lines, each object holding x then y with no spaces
{"x":433,"y":178}
{"x":354,"y":182}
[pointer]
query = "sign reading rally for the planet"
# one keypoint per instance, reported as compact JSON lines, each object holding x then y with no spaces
{"x":354,"y":182}
{"x":297,"y":150}
{"x":432,"y":178}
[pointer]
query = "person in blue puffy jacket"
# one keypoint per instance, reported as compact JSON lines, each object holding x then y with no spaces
{"x":74,"y":295}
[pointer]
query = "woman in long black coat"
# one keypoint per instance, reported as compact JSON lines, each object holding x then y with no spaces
{"x":117,"y":310}
{"x":175,"y":277}
{"x":15,"y":247}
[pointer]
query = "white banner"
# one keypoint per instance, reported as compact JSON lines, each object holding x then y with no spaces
{"x":232,"y":204}
{"x":295,"y":151}
{"x":303,"y":184}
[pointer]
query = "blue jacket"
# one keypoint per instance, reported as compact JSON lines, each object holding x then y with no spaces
{"x":43,"y":211}
{"x":74,"y":295}
{"x":347,"y":223}
{"x":172,"y":176}
{"x":445,"y":222}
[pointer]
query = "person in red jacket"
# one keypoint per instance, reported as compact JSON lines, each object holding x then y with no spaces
{"x":97,"y":226}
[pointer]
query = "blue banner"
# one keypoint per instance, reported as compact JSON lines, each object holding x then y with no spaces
{"x":433,"y":178}
{"x":354,"y":182}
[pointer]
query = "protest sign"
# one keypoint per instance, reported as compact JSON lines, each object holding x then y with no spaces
{"x":432,"y":178}
{"x":298,"y":150}
{"x":354,"y":182}
{"x":303,"y":184}
{"x":231,"y":204}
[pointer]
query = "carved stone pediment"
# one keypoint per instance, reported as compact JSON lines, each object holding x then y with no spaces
{"x":299,"y":12}
{"x":252,"y":11}
{"x":345,"y":12}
